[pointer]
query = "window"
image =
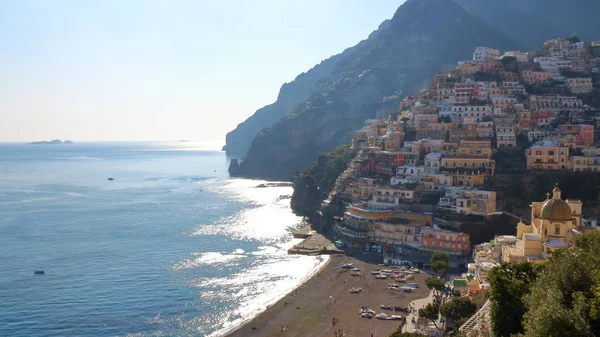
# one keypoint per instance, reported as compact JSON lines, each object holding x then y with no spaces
{"x":557,"y":230}
{"x":551,"y":153}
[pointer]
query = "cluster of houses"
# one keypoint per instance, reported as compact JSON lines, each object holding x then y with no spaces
{"x":440,"y":144}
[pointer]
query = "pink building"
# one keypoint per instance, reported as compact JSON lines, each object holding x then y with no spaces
{"x":465,"y":92}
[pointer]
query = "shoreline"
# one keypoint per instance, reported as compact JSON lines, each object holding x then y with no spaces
{"x":323,"y":298}
{"x":228,"y":331}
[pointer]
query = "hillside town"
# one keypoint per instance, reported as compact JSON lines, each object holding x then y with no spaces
{"x":436,"y":153}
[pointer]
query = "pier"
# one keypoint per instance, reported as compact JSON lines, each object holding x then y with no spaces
{"x":313,"y":243}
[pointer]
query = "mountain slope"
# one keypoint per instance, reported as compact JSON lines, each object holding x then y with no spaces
{"x":290,"y":95}
{"x":424,"y":37}
{"x":532,"y":22}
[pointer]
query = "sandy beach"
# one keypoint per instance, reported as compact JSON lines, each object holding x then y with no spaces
{"x":311,"y":308}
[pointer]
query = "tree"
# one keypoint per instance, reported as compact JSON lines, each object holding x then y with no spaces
{"x":510,"y":63}
{"x":573,"y":39}
{"x":564,"y":299}
{"x":440,"y":256}
{"x":457,"y":309}
{"x":509,"y":284}
{"x":440,"y":267}
{"x":435,"y":283}
{"x":431,"y":312}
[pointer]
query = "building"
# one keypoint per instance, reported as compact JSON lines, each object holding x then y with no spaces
{"x":389,"y":197}
{"x":485,"y":129}
{"x":464,"y":200}
{"x":505,"y":136}
{"x":554,"y":224}
{"x":382,"y":226}
{"x":479,"y":112}
{"x":468,"y":68}
{"x":535,"y":77}
{"x":521,"y":57}
{"x":462,"y":132}
{"x":554,"y":103}
{"x":435,"y":181}
{"x":470,"y":179}
{"x":464,"y":93}
{"x":483,"y":54}
{"x":583,"y":164}
{"x":547,"y":63}
{"x":433,"y":160}
{"x":580,"y":85}
{"x":584,"y":134}
{"x":493,"y":66}
{"x":451,"y":242}
{"x":515,"y":88}
{"x":469,"y":163}
{"x":547,"y":155}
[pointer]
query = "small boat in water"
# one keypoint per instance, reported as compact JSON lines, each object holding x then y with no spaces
{"x":38,"y":272}
{"x":111,"y":179}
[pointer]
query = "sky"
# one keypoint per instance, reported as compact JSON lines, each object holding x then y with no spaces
{"x":110,"y":70}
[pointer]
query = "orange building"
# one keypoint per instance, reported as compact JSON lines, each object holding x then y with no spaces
{"x":452,"y":242}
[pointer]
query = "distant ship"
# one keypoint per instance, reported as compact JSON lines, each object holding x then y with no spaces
{"x":111,"y":179}
{"x":184,"y":141}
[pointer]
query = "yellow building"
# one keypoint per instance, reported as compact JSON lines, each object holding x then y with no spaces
{"x":580,"y":85}
{"x":553,"y":222}
{"x":531,"y":77}
{"x":466,"y":162}
{"x":471,"y":179}
{"x":581,"y":164}
{"x":469,"y":68}
{"x":393,"y":141}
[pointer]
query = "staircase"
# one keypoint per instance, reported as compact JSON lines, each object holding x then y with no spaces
{"x":473,"y":323}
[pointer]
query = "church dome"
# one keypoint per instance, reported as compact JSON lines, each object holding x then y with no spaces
{"x":556,"y":208}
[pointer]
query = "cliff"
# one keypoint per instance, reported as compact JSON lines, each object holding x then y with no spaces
{"x":290,"y":95}
{"x":423,"y":37}
{"x":314,"y":184}
{"x":532,"y":22}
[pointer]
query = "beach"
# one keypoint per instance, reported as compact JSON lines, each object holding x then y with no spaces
{"x":313,"y":307}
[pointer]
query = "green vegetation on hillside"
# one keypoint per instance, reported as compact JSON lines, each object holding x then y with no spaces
{"x":314,"y":184}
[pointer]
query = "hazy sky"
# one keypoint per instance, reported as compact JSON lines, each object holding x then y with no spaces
{"x":161,"y":70}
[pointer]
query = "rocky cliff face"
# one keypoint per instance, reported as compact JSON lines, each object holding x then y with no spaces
{"x":423,"y":37}
{"x":290,"y":95}
{"x":532,"y":22}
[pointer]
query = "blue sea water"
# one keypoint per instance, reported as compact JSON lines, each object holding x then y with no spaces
{"x":171,"y":247}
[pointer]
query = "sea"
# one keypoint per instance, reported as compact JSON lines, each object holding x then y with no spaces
{"x":171,"y":247}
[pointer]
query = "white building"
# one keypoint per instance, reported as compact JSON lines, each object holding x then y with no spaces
{"x":410,"y":170}
{"x":505,"y":136}
{"x":479,"y":112}
{"x":514,"y":88}
{"x":521,"y":57}
{"x":433,"y":161}
{"x":482,"y":54}
{"x":547,"y":63}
